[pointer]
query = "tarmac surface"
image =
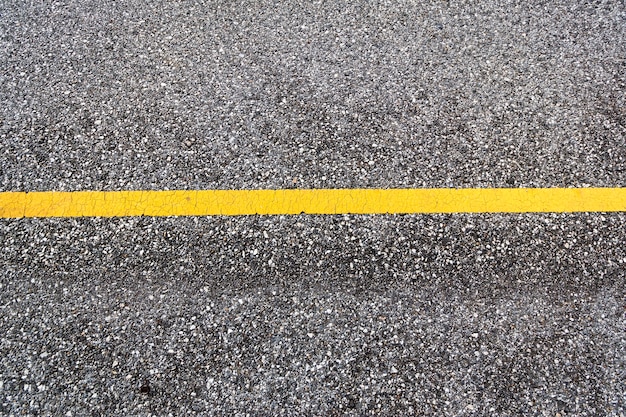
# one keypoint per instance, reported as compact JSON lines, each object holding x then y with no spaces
{"x":460,"y":315}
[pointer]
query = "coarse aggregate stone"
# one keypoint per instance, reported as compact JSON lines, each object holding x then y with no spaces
{"x":273,"y":94}
{"x":461,"y":315}
{"x":314,"y":315}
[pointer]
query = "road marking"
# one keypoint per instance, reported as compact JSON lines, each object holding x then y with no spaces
{"x":321,"y":201}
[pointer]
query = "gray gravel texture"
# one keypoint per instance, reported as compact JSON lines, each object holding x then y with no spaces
{"x":256,"y":94}
{"x":460,"y":315}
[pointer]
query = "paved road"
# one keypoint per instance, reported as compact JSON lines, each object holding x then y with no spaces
{"x":313,"y":315}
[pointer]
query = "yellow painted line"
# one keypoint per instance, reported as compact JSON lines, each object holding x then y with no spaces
{"x":321,"y":201}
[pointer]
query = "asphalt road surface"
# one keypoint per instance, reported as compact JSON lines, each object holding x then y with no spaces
{"x":460,"y":315}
